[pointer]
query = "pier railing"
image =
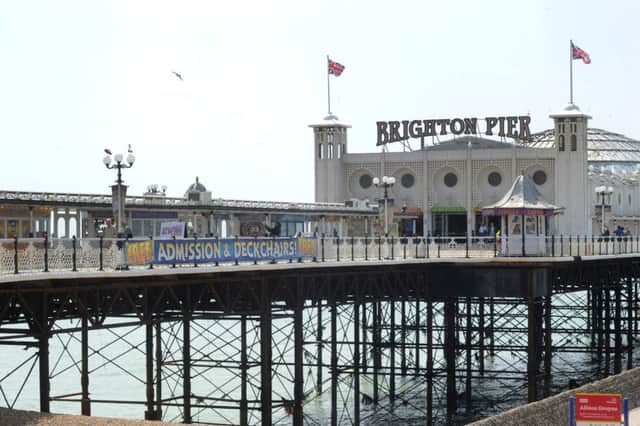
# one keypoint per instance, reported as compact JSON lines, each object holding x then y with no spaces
{"x":30,"y":255}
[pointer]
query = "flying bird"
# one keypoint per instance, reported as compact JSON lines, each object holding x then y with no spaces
{"x":130,"y":149}
{"x":107,"y":150}
{"x":177,"y":75}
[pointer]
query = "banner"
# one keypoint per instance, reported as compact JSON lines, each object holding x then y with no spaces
{"x":139,"y":252}
{"x":211,"y":250}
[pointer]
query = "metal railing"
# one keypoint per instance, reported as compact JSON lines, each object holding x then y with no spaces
{"x":31,"y":255}
{"x":131,"y":200}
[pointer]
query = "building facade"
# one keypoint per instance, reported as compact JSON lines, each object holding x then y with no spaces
{"x":441,"y":187}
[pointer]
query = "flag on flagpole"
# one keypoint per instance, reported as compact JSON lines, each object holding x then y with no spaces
{"x":335,"y":68}
{"x":577,"y":53}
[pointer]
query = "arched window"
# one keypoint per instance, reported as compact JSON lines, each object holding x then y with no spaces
{"x":574,"y":143}
{"x":561,"y":143}
{"x":330,"y":154}
{"x":320,"y":151}
{"x":339,"y":151}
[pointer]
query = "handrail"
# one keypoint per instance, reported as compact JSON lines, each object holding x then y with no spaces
{"x":104,"y":199}
{"x":31,"y":255}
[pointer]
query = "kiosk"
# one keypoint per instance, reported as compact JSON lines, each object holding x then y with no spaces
{"x":524,"y":215}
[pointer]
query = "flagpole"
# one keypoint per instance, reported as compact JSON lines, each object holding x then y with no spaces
{"x":328,"y":87}
{"x":571,"y":71}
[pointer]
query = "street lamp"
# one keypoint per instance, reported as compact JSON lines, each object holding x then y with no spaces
{"x":605,"y":196}
{"x":387,"y":182}
{"x":118,"y":191}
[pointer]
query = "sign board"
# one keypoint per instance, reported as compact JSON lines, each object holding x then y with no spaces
{"x":210,"y":250}
{"x":599,"y":409}
{"x":172,"y":229}
{"x":516,"y":127}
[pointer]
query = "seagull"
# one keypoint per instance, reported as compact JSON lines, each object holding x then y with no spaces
{"x":130,"y":150}
{"x":107,"y":150}
{"x":177,"y":75}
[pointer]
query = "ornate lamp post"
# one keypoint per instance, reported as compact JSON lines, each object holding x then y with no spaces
{"x":118,"y":191}
{"x":386,"y":182}
{"x":605,"y":197}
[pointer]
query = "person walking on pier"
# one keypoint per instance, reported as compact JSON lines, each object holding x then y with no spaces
{"x":273,"y":231}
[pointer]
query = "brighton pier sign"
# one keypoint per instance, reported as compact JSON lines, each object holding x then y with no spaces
{"x":516,"y":127}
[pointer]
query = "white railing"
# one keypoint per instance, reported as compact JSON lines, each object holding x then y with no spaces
{"x":103,"y":199}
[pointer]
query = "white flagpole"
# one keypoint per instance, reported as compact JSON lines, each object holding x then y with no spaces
{"x":328,"y":87}
{"x":571,"y":71}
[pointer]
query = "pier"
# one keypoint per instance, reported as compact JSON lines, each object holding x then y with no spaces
{"x":417,"y":340}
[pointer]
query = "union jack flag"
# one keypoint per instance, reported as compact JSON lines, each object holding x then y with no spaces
{"x":577,"y":53}
{"x":335,"y":68}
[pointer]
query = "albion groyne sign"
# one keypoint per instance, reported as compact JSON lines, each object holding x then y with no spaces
{"x":516,"y":127}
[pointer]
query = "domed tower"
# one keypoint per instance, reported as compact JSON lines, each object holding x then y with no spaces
{"x":330,"y":146}
{"x":197,"y":192}
{"x":571,"y":172}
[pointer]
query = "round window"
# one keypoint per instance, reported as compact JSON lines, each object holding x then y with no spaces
{"x":450,"y":179}
{"x":540,"y":177}
{"x":366,"y":181}
{"x":494,"y":179}
{"x":407,"y":180}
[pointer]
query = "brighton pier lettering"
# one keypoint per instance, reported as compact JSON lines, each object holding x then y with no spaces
{"x":516,"y":127}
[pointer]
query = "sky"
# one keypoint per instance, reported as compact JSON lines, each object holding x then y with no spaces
{"x":80,"y":76}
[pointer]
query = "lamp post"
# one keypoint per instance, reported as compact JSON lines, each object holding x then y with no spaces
{"x":386,"y":182}
{"x":605,"y":194}
{"x":118,"y":191}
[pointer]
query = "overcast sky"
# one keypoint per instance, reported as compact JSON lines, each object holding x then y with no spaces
{"x":79,"y":76}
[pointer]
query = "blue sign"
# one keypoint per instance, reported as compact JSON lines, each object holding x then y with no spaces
{"x":210,"y":250}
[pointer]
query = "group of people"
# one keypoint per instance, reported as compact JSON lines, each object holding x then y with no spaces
{"x":273,"y":231}
{"x":483,"y":230}
{"x":618,"y":232}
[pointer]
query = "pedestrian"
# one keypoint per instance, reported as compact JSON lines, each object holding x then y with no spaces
{"x":273,"y":231}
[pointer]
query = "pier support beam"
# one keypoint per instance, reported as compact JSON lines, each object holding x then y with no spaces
{"x":85,"y":405}
{"x":149,"y":414}
{"x":298,"y":374}
{"x":630,"y":298}
{"x":416,"y":332}
{"x":548,"y":331}
{"x":334,"y":358}
{"x":532,"y":345}
{"x":356,"y":357}
{"x":265,"y":356}
{"x":481,"y":336}
{"x":450,"y":343}
{"x":186,"y":368}
{"x":429,"y":362}
{"x":158,"y":336}
{"x":43,"y":356}
{"x":468,"y":347}
{"x":617,"y":356}
{"x":244,"y":367}
{"x":377,"y":357}
{"x":392,"y":351}
{"x":607,"y":329}
{"x":319,"y":347}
